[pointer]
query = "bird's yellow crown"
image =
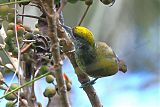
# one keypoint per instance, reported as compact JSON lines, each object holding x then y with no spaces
{"x":85,"y":33}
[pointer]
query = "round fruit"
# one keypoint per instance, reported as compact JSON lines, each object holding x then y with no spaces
{"x":69,"y":85}
{"x":36,"y":31}
{"x":49,"y":78}
{"x":14,"y":86}
{"x":29,"y":36}
{"x":36,"y":25}
{"x":10,"y":33}
{"x":39,"y":104}
{"x":8,"y":41}
{"x":20,"y":39}
{"x":10,"y":97}
{"x":25,"y":3}
{"x":11,"y":17}
{"x":11,"y":26}
{"x":4,"y":10}
{"x":88,"y":2}
{"x":15,"y":52}
{"x":10,"y":104}
{"x":49,"y":92}
{"x":107,"y":2}
{"x":9,"y":47}
{"x":20,"y":31}
{"x":43,"y":70}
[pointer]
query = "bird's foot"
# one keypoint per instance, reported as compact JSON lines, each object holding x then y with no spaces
{"x":88,"y":83}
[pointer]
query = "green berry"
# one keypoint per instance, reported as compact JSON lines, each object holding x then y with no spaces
{"x":25,"y":3}
{"x":14,"y":86}
{"x":10,"y":97}
{"x":20,"y":31}
{"x":36,"y":31}
{"x":39,"y":104}
{"x":15,"y":52}
{"x":36,"y":25}
{"x":49,"y":92}
{"x":10,"y":104}
{"x":88,"y":2}
{"x":29,"y":36}
{"x":69,"y":86}
{"x":9,"y":47}
{"x":43,"y":70}
{"x":11,"y":17}
{"x":20,"y":39}
{"x":10,"y":33}
{"x":107,"y":2}
{"x":8,"y":41}
{"x":49,"y":78}
{"x":4,"y":10}
{"x":11,"y":26}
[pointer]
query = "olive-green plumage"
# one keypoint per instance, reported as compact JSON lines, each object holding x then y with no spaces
{"x":96,"y":59}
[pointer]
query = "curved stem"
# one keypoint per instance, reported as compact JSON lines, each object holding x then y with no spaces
{"x":49,"y":102}
{"x":31,"y":16}
{"x":85,"y":13}
{"x":26,"y":84}
{"x":23,"y":7}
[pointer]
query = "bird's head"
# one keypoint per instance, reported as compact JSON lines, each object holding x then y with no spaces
{"x":83,"y":35}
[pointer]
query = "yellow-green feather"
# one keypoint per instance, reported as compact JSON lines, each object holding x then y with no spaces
{"x":84,"y":33}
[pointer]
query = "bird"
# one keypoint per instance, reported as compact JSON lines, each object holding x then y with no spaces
{"x":95,"y":58}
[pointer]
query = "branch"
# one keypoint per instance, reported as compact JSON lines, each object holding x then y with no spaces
{"x":25,"y":49}
{"x":47,"y":7}
{"x":82,"y":77}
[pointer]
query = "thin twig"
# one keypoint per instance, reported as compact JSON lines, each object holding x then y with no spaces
{"x":19,"y":52}
{"x":31,"y":16}
{"x":23,"y":50}
{"x":13,"y":93}
{"x":85,"y":13}
{"x":23,"y":7}
{"x":49,"y":102}
{"x":33,"y":96}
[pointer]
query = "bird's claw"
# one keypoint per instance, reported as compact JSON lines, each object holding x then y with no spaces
{"x":88,"y":83}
